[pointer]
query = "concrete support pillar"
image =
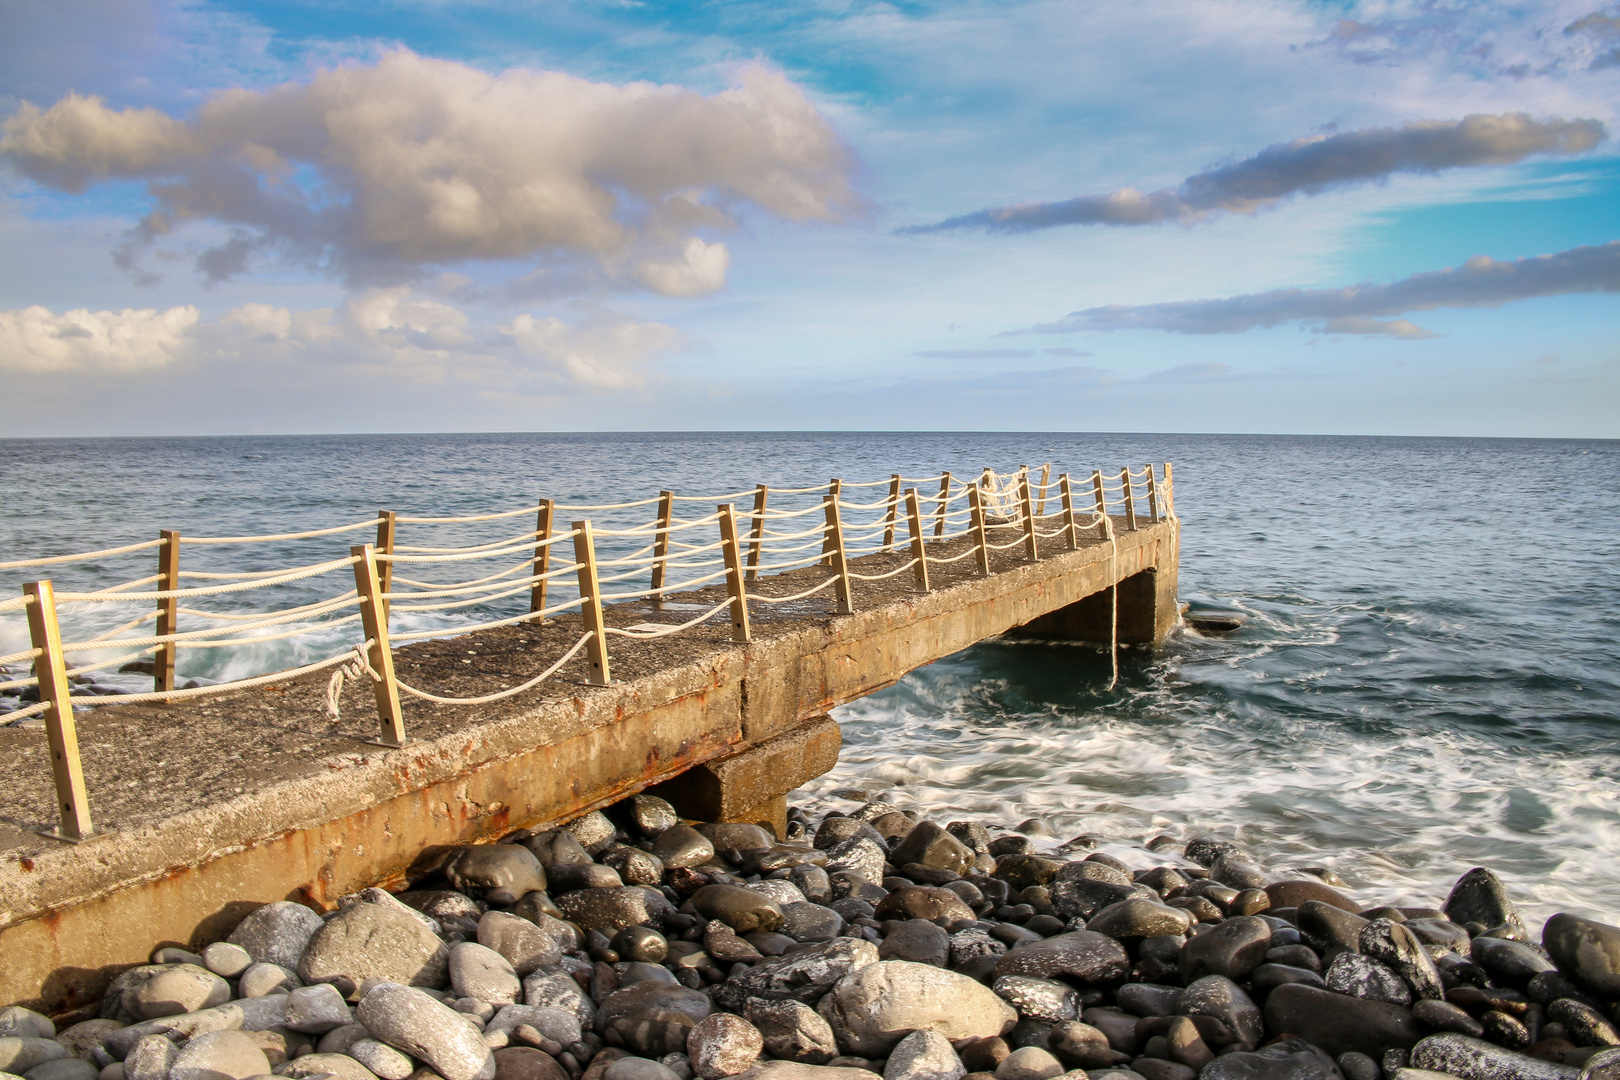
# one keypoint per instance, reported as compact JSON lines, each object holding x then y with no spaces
{"x":1147,"y":612}
{"x":751,"y":786}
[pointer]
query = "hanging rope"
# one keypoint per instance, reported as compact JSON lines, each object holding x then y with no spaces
{"x":351,"y":667}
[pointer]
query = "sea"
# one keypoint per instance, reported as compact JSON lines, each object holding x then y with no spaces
{"x":1427,"y":679}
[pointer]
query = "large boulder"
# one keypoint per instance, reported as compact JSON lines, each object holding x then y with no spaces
{"x":277,"y":933}
{"x":1337,"y":1023}
{"x":877,"y":1006}
{"x":1586,"y":950}
{"x":1476,"y":1059}
{"x":654,"y":1018}
{"x":374,"y":941}
{"x":1081,"y":956}
{"x":411,"y":1021}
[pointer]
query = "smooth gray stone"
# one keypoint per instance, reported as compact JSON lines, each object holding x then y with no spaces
{"x":723,"y":1044}
{"x":381,"y":1059}
{"x":1323,"y":924}
{"x":338,"y":1040}
{"x":1237,"y":870}
{"x":84,"y":1039}
{"x":1586,"y":1025}
{"x":68,"y":1068}
{"x":1439,"y":932}
{"x":19,"y":1053}
{"x":1475,"y":1059}
{"x":653,"y":1018}
{"x":1480,"y":897}
{"x":813,"y":882}
{"x":639,"y":1068}
{"x":1232,"y":948}
{"x":1290,"y":1059}
{"x":25,"y":1023}
{"x":781,"y":891}
{"x":150,"y":1058}
{"x":414,"y":1022}
{"x":875,"y":1007}
{"x":803,"y":975}
{"x":477,"y":971}
{"x":1092,"y":870}
{"x":1267,"y":977}
{"x":559,"y":990}
{"x":315,"y":1010}
{"x":1221,"y":998}
{"x":1358,"y":1066}
{"x":184,"y":988}
{"x":556,"y":1024}
{"x":1603,"y":1065}
{"x":1148,"y":999}
{"x":593,"y":831}
{"x":442,"y":903}
{"x":798,"y":1070}
{"x":735,"y":841}
{"x":681,"y":846}
{"x":805,"y":921}
{"x":336,"y":1066}
{"x":277,"y":933}
{"x":263,"y":979}
{"x":793,"y":1031}
{"x":1337,"y":1023}
{"x":652,"y":815}
{"x":374,"y":941}
{"x":218,"y":1055}
{"x":742,"y":909}
{"x":556,"y":847}
{"x":500,"y":873}
{"x":923,"y":1055}
{"x":524,"y":945}
{"x":1587,"y":950}
{"x":226,"y":960}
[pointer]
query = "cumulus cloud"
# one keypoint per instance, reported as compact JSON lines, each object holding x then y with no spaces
{"x":35,"y":340}
{"x":1601,"y":34}
{"x":1480,"y":282}
{"x":1304,"y":166}
{"x":380,"y":171}
{"x":385,"y":331}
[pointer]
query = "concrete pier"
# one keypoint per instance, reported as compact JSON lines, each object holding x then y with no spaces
{"x":723,"y":730}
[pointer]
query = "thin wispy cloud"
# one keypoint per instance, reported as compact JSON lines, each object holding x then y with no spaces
{"x":1304,"y":166}
{"x":1479,"y":282}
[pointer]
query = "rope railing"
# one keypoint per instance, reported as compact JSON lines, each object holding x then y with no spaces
{"x":923,"y":528}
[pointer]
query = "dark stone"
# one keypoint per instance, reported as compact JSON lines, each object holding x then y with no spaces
{"x":1232,"y":948}
{"x":1237,"y":870}
{"x":1199,"y":907}
{"x":681,"y":846}
{"x":593,"y":831}
{"x":569,"y":877}
{"x":1080,"y":1045}
{"x":654,"y":1018}
{"x":652,"y":815}
{"x":917,"y":940}
{"x":1356,"y":1066}
{"x":1288,"y":1059}
{"x":1549,"y":986}
{"x":922,"y":902}
{"x":1162,"y":880}
{"x":556,"y":847}
{"x":804,"y":921}
{"x":499,"y":873}
{"x":1204,"y":850}
{"x":1586,"y":1026}
{"x":1090,"y":870}
{"x":1147,"y":999}
{"x":1082,"y":956}
{"x":1323,"y":925}
{"x":1511,"y":962}
{"x":642,"y":944}
{"x":611,"y":910}
{"x":1363,"y":977}
{"x":1081,"y":898}
{"x":736,"y":842}
{"x":835,"y":830}
{"x":1475,"y":1059}
{"x":1287,"y":894}
{"x":1012,"y":844}
{"x":931,"y":845}
{"x":1267,"y":977}
{"x":972,"y":834}
{"x":1439,"y":932}
{"x":1046,"y":1000}
{"x":806,"y":974}
{"x":1219,"y":997}
{"x":1399,"y":949}
{"x":1444,"y":1016}
{"x":743,"y":910}
{"x":1479,"y":897}
{"x":1587,"y":951}
{"x":1337,"y":1023}
{"x":723,"y":943}
{"x":634,"y":866}
{"x":1160,"y":1069}
{"x":1300,"y":956}
{"x":1021,"y":871}
{"x":1139,"y":918}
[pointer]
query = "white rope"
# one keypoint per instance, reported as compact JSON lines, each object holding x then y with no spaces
{"x":880,"y":577}
{"x":195,"y":635}
{"x":681,"y":586}
{"x":256,"y":617}
{"x":668,"y":630}
{"x":490,"y":554}
{"x":487,"y":698}
{"x":795,"y":596}
{"x":24,"y":713}
{"x":457,"y":631}
{"x":52,"y":560}
{"x":217,"y":688}
{"x":1113,"y":609}
{"x":354,"y":665}
{"x":277,"y":536}
{"x":212,"y":590}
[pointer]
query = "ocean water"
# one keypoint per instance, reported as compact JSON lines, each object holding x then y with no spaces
{"x":1427,"y":681}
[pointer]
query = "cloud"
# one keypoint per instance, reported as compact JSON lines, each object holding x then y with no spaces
{"x":975,"y":354}
{"x":34,"y":340}
{"x":1602,"y":34}
{"x":1304,"y":166}
{"x":388,"y":332}
{"x":377,"y":172}
{"x":1480,"y":282}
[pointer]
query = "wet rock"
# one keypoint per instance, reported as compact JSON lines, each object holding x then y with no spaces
{"x":723,"y":1044}
{"x":1158,"y":1069}
{"x":652,"y":815}
{"x":1323,"y":925}
{"x":681,"y":846}
{"x":653,"y":1018}
{"x":923,"y":1055}
{"x":634,"y":866}
{"x":723,"y":943}
{"x":477,"y":971}
{"x":1219,"y":997}
{"x":1603,"y":1065}
{"x":641,"y":944}
{"x":500,"y":873}
{"x":1237,"y":870}
{"x":836,"y":830}
{"x":813,"y":882}
{"x":594,"y":832}
{"x":860,"y":856}
{"x":1081,"y":956}
{"x":1475,"y":1059}
{"x":573,"y":877}
{"x":1291,"y":894}
{"x":1233,"y":949}
{"x":1267,"y":977}
{"x":1039,"y":999}
{"x":1586,"y":1026}
{"x":414,"y":1022}
{"x":523,"y":944}
{"x":782,"y":892}
{"x":740,"y":908}
{"x":1511,"y":962}
{"x":1147,"y":999}
{"x":1363,"y":977}
{"x":1588,"y":951}
{"x":183,"y":988}
{"x":1204,"y":850}
{"x":793,"y":1030}
{"x":1029,"y":1063}
{"x":805,"y":921}
{"x":611,"y":910}
{"x":737,"y":842}
{"x":930,"y":845}
{"x":1139,"y":918}
{"x":1080,"y":1045}
{"x":1289,"y":1059}
{"x":1083,"y":898}
{"x":974,"y":944}
{"x":555,"y":848}
{"x":919,"y":941}
{"x":277,"y":933}
{"x":922,"y":902}
{"x":1021,"y":870}
{"x":1337,"y":1023}
{"x":804,"y":975}
{"x":315,"y":1010}
{"x":1505,"y":1029}
{"x":1480,"y":897}
{"x":1444,"y":1016}
{"x":374,"y":941}
{"x":1439,"y":932}
{"x":876,"y":1006}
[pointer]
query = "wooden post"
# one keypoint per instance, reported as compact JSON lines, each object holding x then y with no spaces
{"x":919,"y":550}
{"x":1046,"y":477}
{"x":894,"y":512}
{"x":1130,"y":499}
{"x":1032,"y":543}
{"x":168,"y":612}
{"x":1071,"y":530}
{"x":1169,"y":492}
{"x":1153,"y":495}
{"x":834,"y":490}
{"x":757,"y":533}
{"x":72,"y":802}
{"x":379,"y":654}
{"x":666,"y":518}
{"x":732,"y":550}
{"x":542,"y":554}
{"x":835,"y":554}
{"x":944,"y":493}
{"x":1102,"y":503}
{"x":980,"y":536}
{"x":591,"y":610}
{"x":385,"y":546}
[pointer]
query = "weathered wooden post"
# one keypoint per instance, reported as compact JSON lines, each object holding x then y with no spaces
{"x":732,"y":550}
{"x":379,"y":654}
{"x":893,"y":513}
{"x":834,"y":490}
{"x":168,"y":612}
{"x":756,"y":537}
{"x":981,"y":537}
{"x":1169,"y":491}
{"x":834,"y":543}
{"x":1153,"y":495}
{"x":1130,"y":499}
{"x":385,"y":546}
{"x":1046,"y":476}
{"x":919,"y":548}
{"x":1032,"y":543}
{"x":542,"y":554}
{"x":590,"y":611}
{"x":661,"y":540}
{"x":1071,"y":530}
{"x":944,"y":494}
{"x":72,"y":802}
{"x":1102,"y":503}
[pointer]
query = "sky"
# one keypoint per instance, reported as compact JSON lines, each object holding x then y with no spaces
{"x":1383,"y":218}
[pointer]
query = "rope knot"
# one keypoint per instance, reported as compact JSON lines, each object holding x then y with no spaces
{"x":352,"y":668}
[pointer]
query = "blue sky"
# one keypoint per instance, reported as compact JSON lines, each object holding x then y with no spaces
{"x":522,"y":216}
